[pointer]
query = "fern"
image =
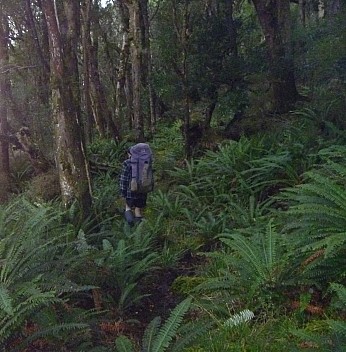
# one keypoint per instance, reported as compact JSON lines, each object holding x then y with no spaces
{"x":123,"y":344}
{"x":170,"y":327}
{"x":190,"y":332}
{"x":340,"y":291}
{"x":35,"y":259}
{"x":127,"y":260}
{"x":316,"y":218}
{"x":5,"y":300}
{"x":254,"y":266}
{"x":150,"y":334}
{"x":333,"y":338}
{"x":240,"y":318}
{"x":158,"y":338}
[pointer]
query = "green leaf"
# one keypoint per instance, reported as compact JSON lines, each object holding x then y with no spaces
{"x":169,"y":329}
{"x":123,"y":344}
{"x":5,"y":300}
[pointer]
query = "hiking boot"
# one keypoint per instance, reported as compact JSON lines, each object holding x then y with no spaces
{"x":129,"y":217}
{"x":138,"y":219}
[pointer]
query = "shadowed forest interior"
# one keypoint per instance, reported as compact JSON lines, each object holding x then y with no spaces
{"x":243,"y":242}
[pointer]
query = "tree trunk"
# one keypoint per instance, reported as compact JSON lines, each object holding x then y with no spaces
{"x":136,"y":56}
{"x":147,"y":65}
{"x":42,"y":52}
{"x":183,"y":32}
{"x":4,"y":89}
{"x":120,"y":93}
{"x":86,"y":25}
{"x":302,"y":12}
{"x":102,"y":114}
{"x":274,"y":18}
{"x":70,"y":157}
{"x":24,"y":142}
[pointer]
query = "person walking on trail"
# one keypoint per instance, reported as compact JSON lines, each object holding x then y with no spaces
{"x":136,"y":181}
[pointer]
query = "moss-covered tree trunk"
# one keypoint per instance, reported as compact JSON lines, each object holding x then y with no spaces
{"x":70,"y":156}
{"x":274,"y":18}
{"x":4,"y":89}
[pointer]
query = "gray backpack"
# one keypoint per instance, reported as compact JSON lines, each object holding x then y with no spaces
{"x":142,"y":180}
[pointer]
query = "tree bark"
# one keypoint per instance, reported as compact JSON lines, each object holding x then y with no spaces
{"x":24,"y":142}
{"x":136,"y":56}
{"x":102,"y":114}
{"x":86,"y":25}
{"x":41,"y":50}
{"x":183,"y":32}
{"x":123,"y":67}
{"x":274,"y":18}
{"x":147,"y":65}
{"x":70,"y":157}
{"x":4,"y":89}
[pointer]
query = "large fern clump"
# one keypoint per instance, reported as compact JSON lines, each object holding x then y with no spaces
{"x":35,"y":261}
{"x":316,"y":218}
{"x":235,"y":185}
{"x":254,"y":268}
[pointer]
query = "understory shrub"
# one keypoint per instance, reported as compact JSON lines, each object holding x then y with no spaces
{"x":37,"y":258}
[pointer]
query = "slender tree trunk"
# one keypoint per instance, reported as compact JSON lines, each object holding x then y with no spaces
{"x":129,"y":96}
{"x":120,"y":93}
{"x":183,"y":32}
{"x":147,"y":65}
{"x":136,"y":56}
{"x":274,"y":18}
{"x":25,"y":142}
{"x":302,"y":12}
{"x":70,"y":157}
{"x":208,"y":114}
{"x":4,"y":89}
{"x":102,"y":114}
{"x":88,"y":120}
{"x":41,"y":50}
{"x":232,"y":29}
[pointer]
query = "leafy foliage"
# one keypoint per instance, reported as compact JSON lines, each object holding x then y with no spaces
{"x":256,"y":266}
{"x":316,"y":216}
{"x":157,"y":337}
{"x":333,"y":338}
{"x":127,"y":261}
{"x":36,"y":260}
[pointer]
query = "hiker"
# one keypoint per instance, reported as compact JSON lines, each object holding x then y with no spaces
{"x":136,"y":180}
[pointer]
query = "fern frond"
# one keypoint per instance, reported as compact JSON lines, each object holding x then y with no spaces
{"x":123,"y":344}
{"x":5,"y":300}
{"x":338,"y":326}
{"x":190,"y":332}
{"x":215,"y":284}
{"x":170,"y":327}
{"x":240,"y":318}
{"x":340,"y":290}
{"x":150,"y":333}
{"x":248,"y":251}
{"x":55,"y":330}
{"x":9,"y":323}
